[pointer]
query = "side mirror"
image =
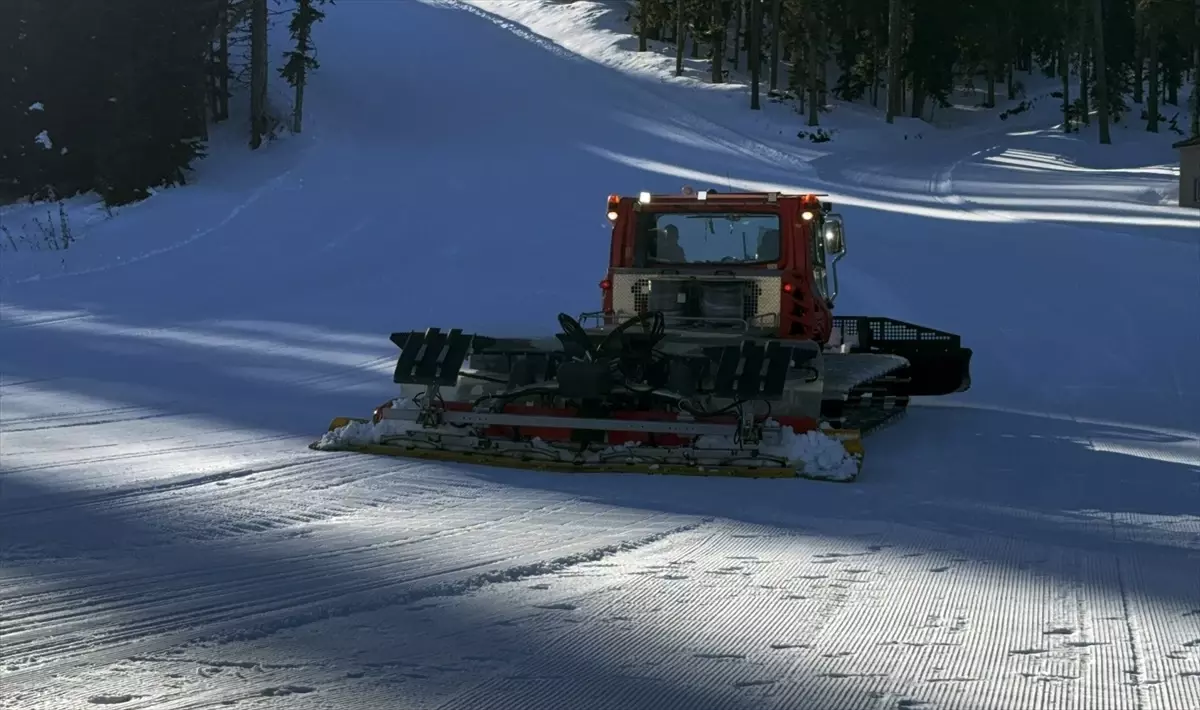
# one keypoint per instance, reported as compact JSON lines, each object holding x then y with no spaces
{"x":834,"y":234}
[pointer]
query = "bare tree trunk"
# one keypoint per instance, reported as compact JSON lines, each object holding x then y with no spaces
{"x":1085,"y":109}
{"x":717,"y":40}
{"x":814,"y":117}
{"x":210,"y":80}
{"x":1195,"y":127}
{"x":301,"y":41}
{"x":680,"y":37}
{"x":990,"y":100}
{"x":797,"y":81}
{"x":1171,"y":78}
{"x":1152,"y":35}
{"x":755,"y":52}
{"x":1101,"y":72}
{"x":223,"y":61}
{"x":875,"y":32}
{"x":1139,"y":51}
{"x":258,"y":72}
{"x":1064,"y":70}
{"x":991,"y":64}
{"x":643,"y":26}
{"x":738,"y":25}
{"x":822,"y":57}
{"x":776,"y":18}
{"x":895,"y":91}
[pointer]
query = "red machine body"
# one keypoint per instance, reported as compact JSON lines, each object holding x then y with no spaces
{"x":797,"y":277}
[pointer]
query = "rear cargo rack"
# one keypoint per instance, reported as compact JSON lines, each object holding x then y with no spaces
{"x":892,"y":334}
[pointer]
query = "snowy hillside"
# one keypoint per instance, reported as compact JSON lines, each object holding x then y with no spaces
{"x":169,"y":542}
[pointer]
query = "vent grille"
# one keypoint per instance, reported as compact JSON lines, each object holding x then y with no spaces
{"x":759,"y":296}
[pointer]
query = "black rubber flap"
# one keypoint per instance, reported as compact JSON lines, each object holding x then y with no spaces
{"x":432,"y":357}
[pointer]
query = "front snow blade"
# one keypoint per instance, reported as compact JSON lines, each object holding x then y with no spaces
{"x":430,"y":446}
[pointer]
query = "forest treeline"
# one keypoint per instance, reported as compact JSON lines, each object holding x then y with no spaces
{"x":907,"y":56}
{"x":118,"y":97}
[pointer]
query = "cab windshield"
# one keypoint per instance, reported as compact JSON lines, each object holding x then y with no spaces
{"x":711,"y":238}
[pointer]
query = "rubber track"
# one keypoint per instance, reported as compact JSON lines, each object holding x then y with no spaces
{"x":872,"y":405}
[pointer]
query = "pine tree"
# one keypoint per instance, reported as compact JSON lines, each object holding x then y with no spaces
{"x":299,"y":61}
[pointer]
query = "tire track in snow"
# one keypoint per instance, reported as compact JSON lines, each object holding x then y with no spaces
{"x":79,"y":588}
{"x":577,"y":640}
{"x":339,"y":579}
{"x":673,"y":633}
{"x":129,"y":494}
{"x":130,"y":456}
{"x":64,"y":421}
{"x":814,"y":621}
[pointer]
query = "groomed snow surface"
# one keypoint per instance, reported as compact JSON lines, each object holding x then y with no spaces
{"x":168,"y":540}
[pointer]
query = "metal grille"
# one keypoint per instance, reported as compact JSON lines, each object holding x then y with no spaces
{"x":632,"y":294}
{"x":889,"y":330}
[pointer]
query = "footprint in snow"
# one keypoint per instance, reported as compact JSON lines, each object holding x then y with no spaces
{"x":752,"y":683}
{"x":286,"y":690}
{"x":557,"y":607}
{"x":850,"y":675}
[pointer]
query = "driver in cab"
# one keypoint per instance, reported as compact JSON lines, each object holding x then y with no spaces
{"x":667,"y":245}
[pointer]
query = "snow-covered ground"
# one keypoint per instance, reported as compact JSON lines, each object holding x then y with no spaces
{"x":168,"y":541}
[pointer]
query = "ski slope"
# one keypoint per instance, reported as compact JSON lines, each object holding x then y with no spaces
{"x":169,"y":542}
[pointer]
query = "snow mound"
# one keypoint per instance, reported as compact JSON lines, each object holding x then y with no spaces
{"x":820,"y":455}
{"x":365,"y":433}
{"x":813,"y":453}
